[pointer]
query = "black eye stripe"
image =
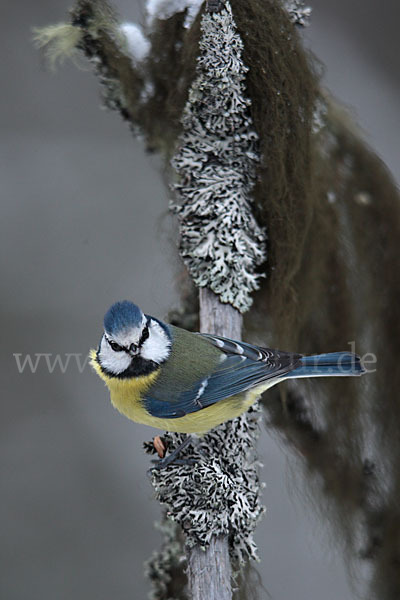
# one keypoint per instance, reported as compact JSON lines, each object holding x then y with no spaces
{"x":114,"y":346}
{"x":117,"y":348}
{"x":144,"y":336}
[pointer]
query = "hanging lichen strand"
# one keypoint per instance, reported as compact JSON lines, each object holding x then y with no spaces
{"x":221,"y":242}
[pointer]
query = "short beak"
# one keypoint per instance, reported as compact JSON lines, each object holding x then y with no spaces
{"x":133,"y":350}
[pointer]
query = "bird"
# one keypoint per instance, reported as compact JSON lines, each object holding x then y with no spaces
{"x":176,"y":380}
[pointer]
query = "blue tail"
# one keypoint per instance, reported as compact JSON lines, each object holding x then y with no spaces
{"x":325,"y":365}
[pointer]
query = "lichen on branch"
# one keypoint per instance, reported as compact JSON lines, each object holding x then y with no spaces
{"x":298,"y":12}
{"x":221,"y":493}
{"x":216,"y":163}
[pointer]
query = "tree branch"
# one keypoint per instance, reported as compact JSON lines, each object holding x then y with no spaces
{"x":122,"y":82}
{"x":209,"y":570}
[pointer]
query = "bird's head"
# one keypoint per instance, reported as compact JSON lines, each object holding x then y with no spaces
{"x":132,"y":343}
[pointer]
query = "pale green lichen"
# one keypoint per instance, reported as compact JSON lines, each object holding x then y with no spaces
{"x":219,"y":491}
{"x":221,"y":242}
{"x":59,"y":42}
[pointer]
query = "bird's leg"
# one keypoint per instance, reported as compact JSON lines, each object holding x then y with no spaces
{"x":172,"y":458}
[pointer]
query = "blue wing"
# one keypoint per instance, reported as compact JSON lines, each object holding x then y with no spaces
{"x":242,"y":367}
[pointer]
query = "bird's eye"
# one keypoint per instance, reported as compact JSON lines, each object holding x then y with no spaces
{"x":114,"y":346}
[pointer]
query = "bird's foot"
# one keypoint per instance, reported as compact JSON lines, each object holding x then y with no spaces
{"x":172,"y":458}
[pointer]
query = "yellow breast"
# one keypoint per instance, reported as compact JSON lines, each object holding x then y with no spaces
{"x":126,"y":396}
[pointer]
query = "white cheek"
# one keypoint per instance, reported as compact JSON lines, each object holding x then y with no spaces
{"x":157,"y":345}
{"x":115,"y":362}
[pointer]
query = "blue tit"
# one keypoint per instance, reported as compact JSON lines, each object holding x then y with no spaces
{"x":170,"y":378}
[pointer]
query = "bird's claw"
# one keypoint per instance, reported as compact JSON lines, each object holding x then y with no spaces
{"x":172,"y":458}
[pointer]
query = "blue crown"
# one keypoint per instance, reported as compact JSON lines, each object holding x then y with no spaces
{"x":121,"y":316}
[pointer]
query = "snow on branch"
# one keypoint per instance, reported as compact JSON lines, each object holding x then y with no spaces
{"x":164,"y":9}
{"x":137,"y":44}
{"x":216,"y":163}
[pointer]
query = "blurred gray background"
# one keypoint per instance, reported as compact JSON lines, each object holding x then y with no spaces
{"x":84,"y":223}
